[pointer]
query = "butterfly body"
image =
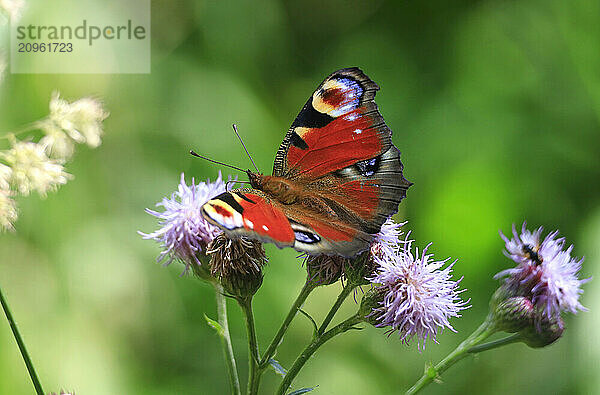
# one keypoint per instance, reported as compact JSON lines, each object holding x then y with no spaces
{"x":336,"y":178}
{"x":279,"y":188}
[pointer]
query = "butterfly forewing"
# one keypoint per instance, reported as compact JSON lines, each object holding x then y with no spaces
{"x":338,"y":126}
{"x":249,"y":212}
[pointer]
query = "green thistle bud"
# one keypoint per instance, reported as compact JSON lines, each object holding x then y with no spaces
{"x":371,"y":301}
{"x":513,"y":314}
{"x":325,"y":269}
{"x":202,"y":270}
{"x":359,"y":269}
{"x":242,"y":285}
{"x":544,"y":332}
{"x":503,"y":293}
{"x":237,"y":263}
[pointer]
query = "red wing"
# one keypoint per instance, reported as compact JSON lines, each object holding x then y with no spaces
{"x":343,"y":142}
{"x":248,"y":212}
{"x":337,"y":127}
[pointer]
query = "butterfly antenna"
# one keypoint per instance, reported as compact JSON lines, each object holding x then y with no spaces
{"x":244,"y":145}
{"x":214,"y":161}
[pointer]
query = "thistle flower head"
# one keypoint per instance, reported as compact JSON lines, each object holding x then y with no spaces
{"x":32,"y":170}
{"x":238,"y":255}
{"x":325,"y":269}
{"x":385,"y":247}
{"x":8,"y":210}
{"x":418,"y":294}
{"x":79,"y":121}
{"x":183,"y":232}
{"x":237,"y":263}
{"x":546,"y":272}
{"x":387,"y":242}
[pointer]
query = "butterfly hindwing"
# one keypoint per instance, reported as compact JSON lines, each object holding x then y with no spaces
{"x":316,"y":234}
{"x":378,"y":184}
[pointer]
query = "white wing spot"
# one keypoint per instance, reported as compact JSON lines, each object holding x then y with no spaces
{"x":249,"y":223}
{"x":266,"y":228}
{"x":357,"y":131}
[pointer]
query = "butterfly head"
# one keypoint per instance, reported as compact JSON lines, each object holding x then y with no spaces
{"x":256,"y":179}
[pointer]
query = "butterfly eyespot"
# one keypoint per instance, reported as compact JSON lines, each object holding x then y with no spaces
{"x":334,"y":97}
{"x":306,"y":238}
{"x":223,"y":214}
{"x":337,"y":97}
{"x":303,"y":234}
{"x":368,"y":167}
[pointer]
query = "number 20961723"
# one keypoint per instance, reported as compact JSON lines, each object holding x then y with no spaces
{"x":45,"y":47}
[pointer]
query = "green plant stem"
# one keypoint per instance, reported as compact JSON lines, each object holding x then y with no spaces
{"x":23,"y":129}
{"x":312,"y":347}
{"x":336,"y":306}
{"x":485,"y":330}
{"x":516,"y":337}
{"x":253,"y":353}
{"x":15,"y":330}
{"x":308,"y":287}
{"x":226,"y":339}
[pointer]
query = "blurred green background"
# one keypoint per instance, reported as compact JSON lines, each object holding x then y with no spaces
{"x":495,"y":106}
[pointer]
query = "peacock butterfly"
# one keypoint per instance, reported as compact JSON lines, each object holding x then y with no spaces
{"x":336,"y":179}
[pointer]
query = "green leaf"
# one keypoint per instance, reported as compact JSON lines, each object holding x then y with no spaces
{"x":314,"y":324}
{"x":430,"y":370}
{"x":302,"y":391}
{"x":215,"y":325}
{"x":280,"y":370}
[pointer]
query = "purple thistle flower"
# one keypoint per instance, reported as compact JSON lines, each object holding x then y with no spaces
{"x":184,"y":232}
{"x":545,"y":272}
{"x":387,"y":242}
{"x":419,"y":295}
